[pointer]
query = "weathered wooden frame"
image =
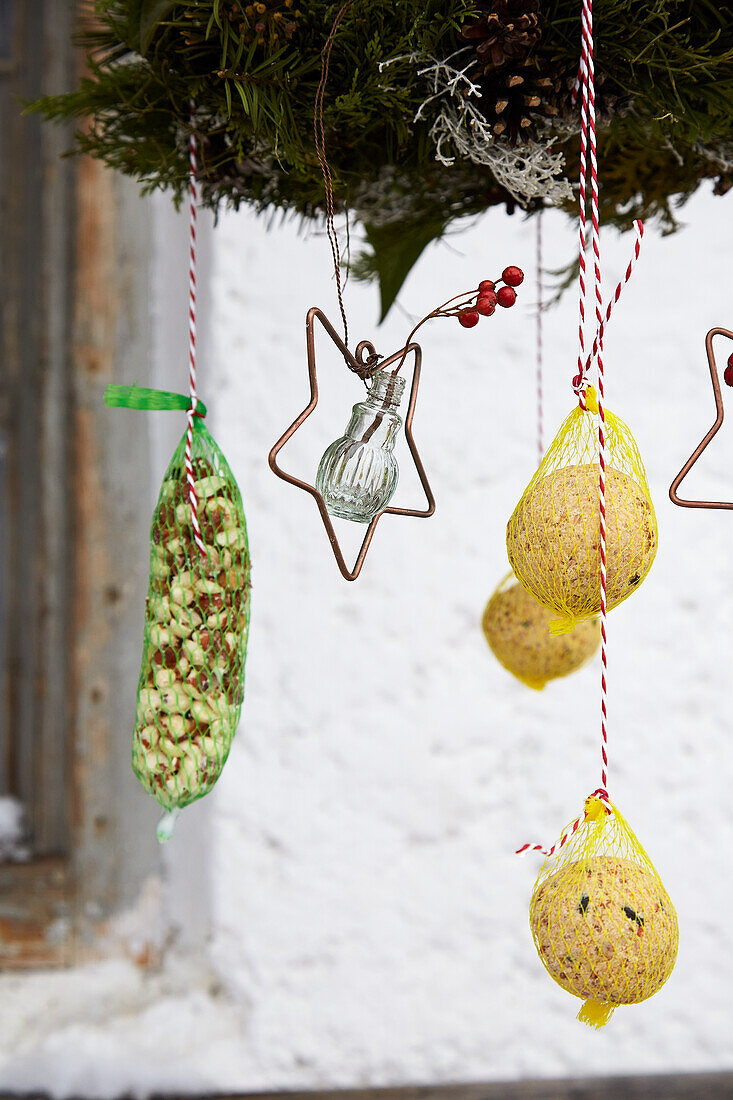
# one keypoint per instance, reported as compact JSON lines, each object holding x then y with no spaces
{"x":74,"y":296}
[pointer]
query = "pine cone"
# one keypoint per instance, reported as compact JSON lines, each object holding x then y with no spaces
{"x":506,"y":32}
{"x":514,"y":98}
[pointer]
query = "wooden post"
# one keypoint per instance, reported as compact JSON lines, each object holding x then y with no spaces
{"x":74,"y":289}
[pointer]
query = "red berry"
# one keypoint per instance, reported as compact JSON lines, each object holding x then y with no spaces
{"x":512,"y":276}
{"x":486,"y":284}
{"x":506,"y":296}
{"x":486,"y":304}
{"x":728,"y":372}
{"x":468,"y":318}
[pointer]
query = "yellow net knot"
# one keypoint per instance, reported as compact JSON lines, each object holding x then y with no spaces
{"x":565,"y":625}
{"x":595,"y":808}
{"x":595,"y":1014}
{"x":591,"y":399}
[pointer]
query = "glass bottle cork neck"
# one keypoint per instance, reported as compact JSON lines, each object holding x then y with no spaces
{"x":385,"y":390}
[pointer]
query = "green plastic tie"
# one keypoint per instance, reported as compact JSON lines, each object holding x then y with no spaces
{"x":138,"y":397}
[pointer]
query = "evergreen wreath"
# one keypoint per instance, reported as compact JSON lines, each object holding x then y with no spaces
{"x":434,"y":110}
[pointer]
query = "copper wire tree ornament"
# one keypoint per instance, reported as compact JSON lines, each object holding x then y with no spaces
{"x":365,"y":364}
{"x":674,"y":495}
{"x":468,"y":307}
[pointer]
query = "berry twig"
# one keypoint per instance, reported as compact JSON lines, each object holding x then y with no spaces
{"x":487,"y":297}
{"x":470,"y":305}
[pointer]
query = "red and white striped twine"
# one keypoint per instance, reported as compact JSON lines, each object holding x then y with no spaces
{"x":639,"y":229}
{"x":193,"y":196}
{"x":585,"y":88}
{"x":582,"y":227}
{"x":589,"y":159}
{"x":569,"y":833}
{"x":588,"y":92}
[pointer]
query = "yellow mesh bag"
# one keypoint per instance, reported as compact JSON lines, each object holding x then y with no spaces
{"x":553,"y":533}
{"x":602,"y":922}
{"x":517,"y":629}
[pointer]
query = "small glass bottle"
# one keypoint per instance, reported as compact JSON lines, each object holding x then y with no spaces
{"x":357,"y":475}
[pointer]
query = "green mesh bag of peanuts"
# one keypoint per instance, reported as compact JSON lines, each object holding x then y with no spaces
{"x":191,"y":685}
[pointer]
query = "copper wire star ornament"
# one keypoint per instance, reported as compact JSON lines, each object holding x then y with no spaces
{"x":364,"y":363}
{"x":673,"y":494}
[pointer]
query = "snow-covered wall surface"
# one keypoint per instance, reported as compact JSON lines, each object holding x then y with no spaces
{"x":346,"y":908}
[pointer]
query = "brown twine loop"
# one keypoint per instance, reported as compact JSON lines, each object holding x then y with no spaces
{"x":320,"y":140}
{"x":367,"y":360}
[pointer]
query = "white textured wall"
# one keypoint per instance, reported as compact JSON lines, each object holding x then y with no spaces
{"x":368,"y":918}
{"x":367,"y":902}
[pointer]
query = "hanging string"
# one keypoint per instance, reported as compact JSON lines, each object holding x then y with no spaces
{"x":540,"y":307}
{"x":589,"y":160}
{"x":589,"y":165}
{"x":601,"y":792}
{"x":192,"y":411}
{"x":639,"y":230}
{"x":598,"y":352}
{"x":365,"y":368}
{"x":166,"y":825}
{"x":319,"y":133}
{"x":582,"y":222}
